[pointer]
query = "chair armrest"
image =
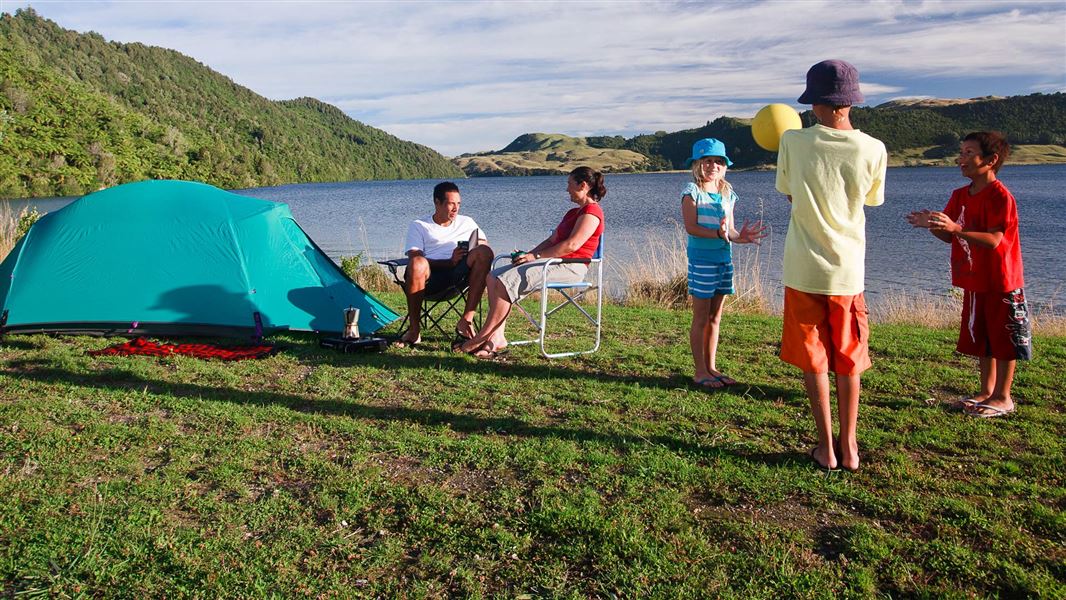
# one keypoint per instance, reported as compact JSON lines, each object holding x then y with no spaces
{"x":562,"y":261}
{"x":565,"y":261}
{"x":393,"y":265}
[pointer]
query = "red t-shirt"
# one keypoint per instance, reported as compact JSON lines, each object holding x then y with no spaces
{"x":566,"y":226}
{"x":976,"y":268}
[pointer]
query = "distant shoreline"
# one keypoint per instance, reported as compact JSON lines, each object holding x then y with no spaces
{"x":892,"y":164}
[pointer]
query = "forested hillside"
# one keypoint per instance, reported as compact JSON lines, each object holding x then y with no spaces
{"x":78,"y":113}
{"x":915,"y":133}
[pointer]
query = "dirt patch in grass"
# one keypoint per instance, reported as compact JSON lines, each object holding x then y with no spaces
{"x":406,"y":469}
{"x":828,"y":530}
{"x":789,"y":514}
{"x":472,"y":482}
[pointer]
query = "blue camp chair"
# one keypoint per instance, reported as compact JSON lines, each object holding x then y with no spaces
{"x":436,"y":308}
{"x":572,"y":292}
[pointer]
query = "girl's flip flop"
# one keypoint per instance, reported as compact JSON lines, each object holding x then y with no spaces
{"x":709,"y":384}
{"x":725,"y":380}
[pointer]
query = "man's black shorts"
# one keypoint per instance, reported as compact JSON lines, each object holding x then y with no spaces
{"x":444,"y":278}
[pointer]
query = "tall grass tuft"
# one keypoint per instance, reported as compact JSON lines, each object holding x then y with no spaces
{"x":917,"y":308}
{"x":658,"y":275}
{"x":363,"y":269}
{"x":368,"y":274}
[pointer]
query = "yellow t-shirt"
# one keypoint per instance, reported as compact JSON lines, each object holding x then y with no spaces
{"x":831,"y":175}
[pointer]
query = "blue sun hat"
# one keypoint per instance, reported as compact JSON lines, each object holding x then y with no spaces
{"x":708,"y":147}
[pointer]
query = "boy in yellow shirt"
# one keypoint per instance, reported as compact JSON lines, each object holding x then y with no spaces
{"x":829,"y":172}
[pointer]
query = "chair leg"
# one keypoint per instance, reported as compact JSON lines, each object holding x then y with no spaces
{"x":541,"y":325}
{"x":597,"y":321}
{"x":436,"y":313}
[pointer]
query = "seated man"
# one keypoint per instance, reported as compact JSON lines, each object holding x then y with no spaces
{"x":437,"y":247}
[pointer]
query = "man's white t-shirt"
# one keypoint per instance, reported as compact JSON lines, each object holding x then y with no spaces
{"x":435,"y":241}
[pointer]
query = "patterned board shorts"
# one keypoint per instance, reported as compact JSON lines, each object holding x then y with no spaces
{"x":706,"y":280}
{"x":996,"y":324}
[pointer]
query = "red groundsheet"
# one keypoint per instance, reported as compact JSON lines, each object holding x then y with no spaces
{"x":148,"y":347}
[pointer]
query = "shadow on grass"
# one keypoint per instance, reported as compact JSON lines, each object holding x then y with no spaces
{"x":525,"y":363}
{"x":39,"y":370}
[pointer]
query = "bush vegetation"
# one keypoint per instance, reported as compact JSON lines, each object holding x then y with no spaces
{"x":13,"y":226}
{"x":367,"y":274}
{"x":78,"y":113}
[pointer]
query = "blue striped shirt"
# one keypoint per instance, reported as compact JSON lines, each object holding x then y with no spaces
{"x":710,"y":208}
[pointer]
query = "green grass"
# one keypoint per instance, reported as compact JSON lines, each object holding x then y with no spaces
{"x":422,"y":473}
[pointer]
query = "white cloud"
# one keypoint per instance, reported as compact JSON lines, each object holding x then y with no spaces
{"x":470,"y":76}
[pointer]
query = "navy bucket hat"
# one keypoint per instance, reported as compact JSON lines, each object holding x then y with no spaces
{"x":832,"y":82}
{"x":708,"y":147}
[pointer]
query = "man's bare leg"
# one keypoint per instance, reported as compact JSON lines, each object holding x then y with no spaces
{"x":415,"y":277}
{"x":480,"y":262}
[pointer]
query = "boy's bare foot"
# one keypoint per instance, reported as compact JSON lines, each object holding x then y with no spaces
{"x":966,"y":403}
{"x":823,"y":457}
{"x":847,"y":458}
{"x":498,"y":343}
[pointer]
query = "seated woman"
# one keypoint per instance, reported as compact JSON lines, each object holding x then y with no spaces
{"x":576,"y":236}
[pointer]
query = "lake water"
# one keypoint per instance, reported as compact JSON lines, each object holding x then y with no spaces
{"x":643,"y":211}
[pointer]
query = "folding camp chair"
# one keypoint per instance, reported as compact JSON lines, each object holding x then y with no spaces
{"x":572,"y":292}
{"x":436,"y":308}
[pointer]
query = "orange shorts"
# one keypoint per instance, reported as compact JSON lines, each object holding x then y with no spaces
{"x":826,"y":333}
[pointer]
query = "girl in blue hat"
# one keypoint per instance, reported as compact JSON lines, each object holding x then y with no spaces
{"x":707,"y":208}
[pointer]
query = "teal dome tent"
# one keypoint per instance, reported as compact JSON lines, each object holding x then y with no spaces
{"x":176,"y":258}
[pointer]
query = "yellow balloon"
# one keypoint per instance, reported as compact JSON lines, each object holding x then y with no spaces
{"x":772,"y":121}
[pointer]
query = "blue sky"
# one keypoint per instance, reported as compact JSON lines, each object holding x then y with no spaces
{"x":471,"y":76}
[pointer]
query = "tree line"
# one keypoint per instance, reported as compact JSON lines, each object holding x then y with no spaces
{"x":1032,"y":119}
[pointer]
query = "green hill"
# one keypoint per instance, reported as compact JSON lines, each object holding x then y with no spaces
{"x":78,"y":113}
{"x":916,"y":132}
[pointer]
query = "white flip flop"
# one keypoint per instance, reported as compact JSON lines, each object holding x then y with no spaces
{"x":984,"y":411}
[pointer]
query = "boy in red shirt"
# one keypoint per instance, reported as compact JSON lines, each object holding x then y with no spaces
{"x":981,"y":224}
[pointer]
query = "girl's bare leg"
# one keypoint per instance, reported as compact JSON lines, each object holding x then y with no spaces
{"x":701,"y":308}
{"x":710,"y":334}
